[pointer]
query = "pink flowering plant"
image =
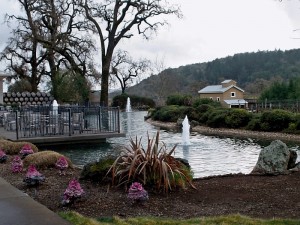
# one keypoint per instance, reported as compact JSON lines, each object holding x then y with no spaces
{"x":17,"y":165}
{"x":26,"y":150}
{"x":3,"y":156}
{"x":137,"y":193}
{"x":73,"y":192}
{"x":62,"y":165}
{"x":33,"y":177}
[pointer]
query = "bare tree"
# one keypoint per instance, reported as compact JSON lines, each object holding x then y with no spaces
{"x":125,"y":70}
{"x":162,"y":88}
{"x":26,"y":58}
{"x":114,"y":20}
{"x":54,"y":26}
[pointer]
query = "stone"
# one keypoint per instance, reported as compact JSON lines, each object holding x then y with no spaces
{"x":184,"y":162}
{"x":275,"y":159}
{"x":97,"y":171}
{"x":194,"y":123}
{"x":293,"y":159}
{"x":179,"y":122}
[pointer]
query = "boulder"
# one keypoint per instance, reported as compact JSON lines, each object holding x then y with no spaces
{"x":179,"y":122}
{"x":275,"y":159}
{"x":97,"y":171}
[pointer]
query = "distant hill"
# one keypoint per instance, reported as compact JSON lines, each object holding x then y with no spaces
{"x":252,"y":71}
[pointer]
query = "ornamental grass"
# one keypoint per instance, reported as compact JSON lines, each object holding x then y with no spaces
{"x":154,"y":166}
{"x":13,"y":148}
{"x":45,"y":159}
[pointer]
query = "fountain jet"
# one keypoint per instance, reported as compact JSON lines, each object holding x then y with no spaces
{"x":186,"y":131}
{"x":128,"y":105}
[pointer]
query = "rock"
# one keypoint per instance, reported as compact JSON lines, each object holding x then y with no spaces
{"x":194,"y":123}
{"x":296,"y":168}
{"x":184,"y":162}
{"x":97,"y":171}
{"x":275,"y":159}
{"x":293,"y":159}
{"x":179,"y":122}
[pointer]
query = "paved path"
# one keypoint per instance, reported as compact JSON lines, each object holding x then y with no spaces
{"x":17,"y":208}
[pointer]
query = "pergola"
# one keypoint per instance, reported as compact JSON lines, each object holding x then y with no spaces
{"x":2,"y":76}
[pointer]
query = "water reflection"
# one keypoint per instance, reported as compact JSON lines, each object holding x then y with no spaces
{"x":207,"y":155}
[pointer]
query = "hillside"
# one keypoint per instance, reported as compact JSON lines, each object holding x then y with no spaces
{"x":252,"y":71}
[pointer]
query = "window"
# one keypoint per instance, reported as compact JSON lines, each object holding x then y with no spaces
{"x":218,"y":99}
{"x":232,"y":94}
{"x":211,"y":98}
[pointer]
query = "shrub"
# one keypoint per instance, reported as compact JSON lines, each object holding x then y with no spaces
{"x":44,"y":159}
{"x":216,"y":118}
{"x":168,"y":113}
{"x":13,"y":148}
{"x":206,"y":101}
{"x":276,"y":120}
{"x":297,"y":121}
{"x":152,"y":166}
{"x":237,"y":118}
{"x":180,"y":100}
{"x":254,"y":123}
{"x":204,"y":108}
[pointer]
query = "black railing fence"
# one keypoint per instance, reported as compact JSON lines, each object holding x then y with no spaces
{"x":38,"y":121}
{"x":262,"y":105}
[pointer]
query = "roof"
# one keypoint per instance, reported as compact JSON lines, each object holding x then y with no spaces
{"x":236,"y":102}
{"x":217,"y":89}
{"x":226,"y":81}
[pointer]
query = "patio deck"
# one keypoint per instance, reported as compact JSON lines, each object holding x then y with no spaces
{"x":61,"y":139}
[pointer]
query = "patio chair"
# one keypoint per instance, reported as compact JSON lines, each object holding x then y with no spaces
{"x":10,"y":122}
{"x":77,"y":122}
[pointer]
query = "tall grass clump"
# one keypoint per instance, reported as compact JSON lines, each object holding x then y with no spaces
{"x":154,"y":166}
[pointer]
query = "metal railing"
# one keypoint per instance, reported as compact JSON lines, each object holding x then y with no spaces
{"x":43,"y":121}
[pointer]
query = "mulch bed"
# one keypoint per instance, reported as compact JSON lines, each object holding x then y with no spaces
{"x":251,"y":195}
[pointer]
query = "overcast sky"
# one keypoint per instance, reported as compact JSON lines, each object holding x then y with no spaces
{"x":211,"y":29}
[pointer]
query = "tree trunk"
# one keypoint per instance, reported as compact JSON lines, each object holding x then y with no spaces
{"x":104,"y":87}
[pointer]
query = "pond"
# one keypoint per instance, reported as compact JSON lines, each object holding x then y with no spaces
{"x":207,"y":155}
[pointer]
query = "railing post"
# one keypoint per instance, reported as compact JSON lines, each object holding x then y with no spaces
{"x":118,"y":120}
{"x":70,"y":130}
{"x":99,"y":118}
{"x":17,"y":126}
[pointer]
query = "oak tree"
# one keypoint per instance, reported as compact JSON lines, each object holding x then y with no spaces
{"x":115,"y":20}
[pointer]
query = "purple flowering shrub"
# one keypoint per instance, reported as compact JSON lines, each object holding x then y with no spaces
{"x":73,"y":192}
{"x":17,"y":165}
{"x":33,"y":177}
{"x":26,"y":150}
{"x":61,"y":164}
{"x":3,"y":156}
{"x":137,"y":193}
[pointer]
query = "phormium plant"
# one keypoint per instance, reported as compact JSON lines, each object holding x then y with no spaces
{"x":153,"y":166}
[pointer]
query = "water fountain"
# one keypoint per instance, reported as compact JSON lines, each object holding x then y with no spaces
{"x":186,"y":131}
{"x":55,"y":107}
{"x":207,"y":155}
{"x":128,"y":105}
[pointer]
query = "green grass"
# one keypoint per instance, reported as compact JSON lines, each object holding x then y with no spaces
{"x":77,"y":219}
